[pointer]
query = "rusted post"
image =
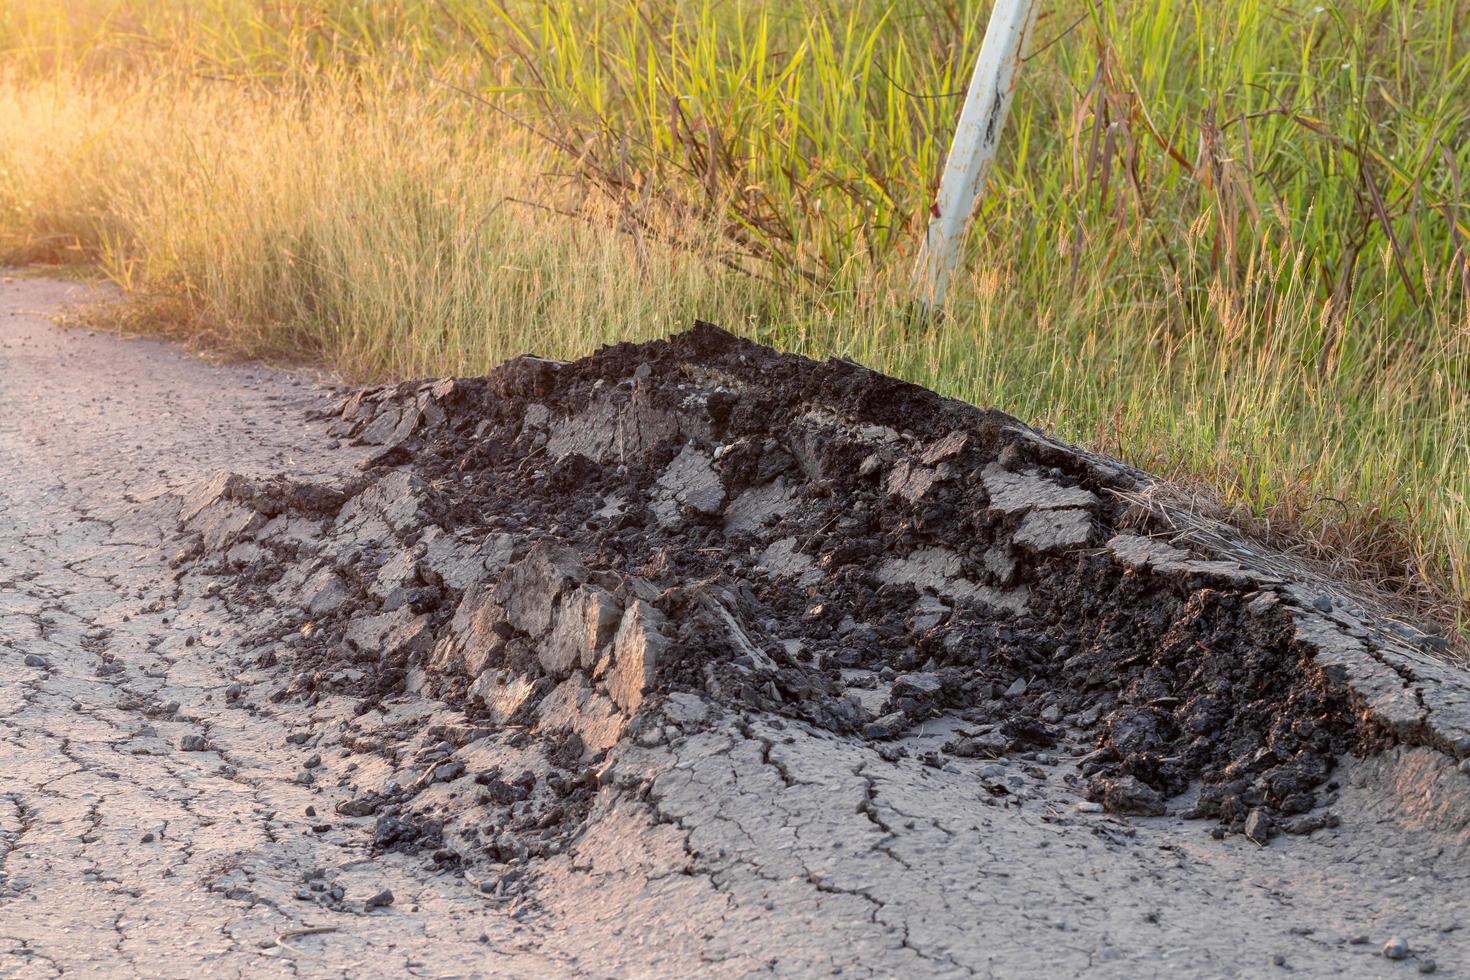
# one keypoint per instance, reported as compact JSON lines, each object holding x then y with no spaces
{"x":973,"y":148}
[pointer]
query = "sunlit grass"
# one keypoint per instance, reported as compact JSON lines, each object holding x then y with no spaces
{"x":1224,"y":241}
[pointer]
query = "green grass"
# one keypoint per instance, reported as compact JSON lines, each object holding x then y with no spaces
{"x":1224,"y":241}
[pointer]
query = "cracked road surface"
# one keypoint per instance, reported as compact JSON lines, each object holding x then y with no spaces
{"x":160,"y":815}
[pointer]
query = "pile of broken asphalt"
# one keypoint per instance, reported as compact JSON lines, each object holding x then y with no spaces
{"x":585,"y":556}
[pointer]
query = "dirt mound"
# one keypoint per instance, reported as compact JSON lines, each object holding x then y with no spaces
{"x":617,"y":550}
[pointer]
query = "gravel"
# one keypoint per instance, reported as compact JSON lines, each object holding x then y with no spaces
{"x":382,"y":899}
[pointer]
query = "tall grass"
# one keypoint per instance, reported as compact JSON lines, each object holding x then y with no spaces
{"x":1224,"y":241}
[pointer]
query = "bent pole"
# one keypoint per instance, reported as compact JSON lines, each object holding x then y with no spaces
{"x":973,"y":149}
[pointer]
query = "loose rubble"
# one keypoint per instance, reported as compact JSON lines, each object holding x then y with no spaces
{"x":555,"y":547}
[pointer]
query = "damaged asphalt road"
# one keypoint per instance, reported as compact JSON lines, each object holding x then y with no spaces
{"x":662,"y":663}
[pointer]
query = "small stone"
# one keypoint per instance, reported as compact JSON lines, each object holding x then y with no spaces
{"x":1127,"y":795}
{"x":360,"y":806}
{"x":888,"y":726}
{"x":988,"y":746}
{"x":305,"y":778}
{"x":146,"y":838}
{"x":991,"y":745}
{"x":1465,"y":766}
{"x":1089,"y":717}
{"x":442,"y":772}
{"x":32,"y":660}
{"x":312,"y":761}
{"x":1087,"y":806}
{"x":1308,"y":823}
{"x":1278,"y":960}
{"x":1258,"y":827}
{"x":1427,"y":966}
{"x":1263,"y":604}
{"x":1017,"y":688}
{"x":311,"y":811}
{"x":193,"y":743}
{"x":1051,"y":714}
{"x":1323,"y":603}
{"x":1396,"y":948}
{"x":382,"y":899}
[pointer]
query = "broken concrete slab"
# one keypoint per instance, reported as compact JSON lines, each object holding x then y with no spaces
{"x":1054,"y":530}
{"x":1011,"y":492}
{"x":689,"y":481}
{"x":637,"y":650}
{"x":586,"y":621}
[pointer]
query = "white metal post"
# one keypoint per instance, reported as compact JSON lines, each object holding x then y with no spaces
{"x":973,"y":149}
